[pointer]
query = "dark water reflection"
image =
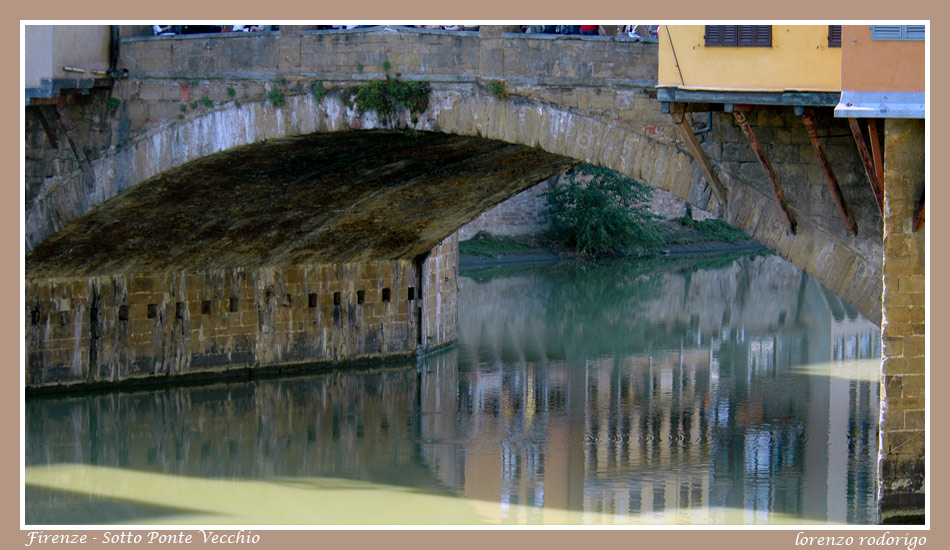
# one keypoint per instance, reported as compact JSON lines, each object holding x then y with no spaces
{"x":676,"y":392}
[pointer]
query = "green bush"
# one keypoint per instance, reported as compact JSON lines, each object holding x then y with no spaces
{"x":497,"y":88}
{"x":276,"y":97}
{"x":318,"y":90}
{"x":599,"y":212}
{"x":385,"y":96}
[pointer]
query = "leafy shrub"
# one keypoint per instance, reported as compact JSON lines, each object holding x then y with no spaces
{"x":276,"y":97}
{"x":599,"y":212}
{"x":385,"y":96}
{"x":497,"y":88}
{"x":318,"y":90}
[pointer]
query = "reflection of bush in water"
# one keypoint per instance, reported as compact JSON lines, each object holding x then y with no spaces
{"x":594,"y":308}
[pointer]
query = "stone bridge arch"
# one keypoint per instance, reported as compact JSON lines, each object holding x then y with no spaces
{"x":571,"y":98}
{"x":648,"y":156}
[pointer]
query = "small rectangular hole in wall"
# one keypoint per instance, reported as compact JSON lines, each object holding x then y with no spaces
{"x":312,"y":299}
{"x":336,"y":298}
{"x":179,"y":310}
{"x":412,"y":293}
{"x":35,"y":316}
{"x":360,"y":296}
{"x":206,"y":307}
{"x":152,"y":311}
{"x":288,"y":300}
{"x":64,"y":318}
{"x":123,"y":313}
{"x":386,"y":295}
{"x":233,"y":305}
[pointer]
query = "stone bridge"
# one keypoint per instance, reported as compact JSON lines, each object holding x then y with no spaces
{"x":347,"y":205}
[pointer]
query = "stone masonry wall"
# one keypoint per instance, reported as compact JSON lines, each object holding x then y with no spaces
{"x":902,"y":451}
{"x":440,"y":295}
{"x":115,"y":328}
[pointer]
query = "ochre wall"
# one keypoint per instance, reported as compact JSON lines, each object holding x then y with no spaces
{"x":799,"y":59}
{"x":880,"y":65}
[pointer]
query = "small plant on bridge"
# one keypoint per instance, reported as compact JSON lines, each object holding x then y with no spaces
{"x":318,"y":90}
{"x":231,"y":92}
{"x":497,"y":88}
{"x":386,"y":96}
{"x":206,"y":102}
{"x":386,"y":66}
{"x":599,"y":212}
{"x":276,"y":97}
{"x":112,"y":104}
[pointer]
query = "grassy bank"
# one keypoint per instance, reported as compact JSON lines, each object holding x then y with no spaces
{"x":682,"y":234}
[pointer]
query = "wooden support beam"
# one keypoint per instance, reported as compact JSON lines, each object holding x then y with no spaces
{"x":49,"y":132}
{"x":679,"y":117}
{"x":875,"y":136}
{"x":808,"y":118}
{"x":877,"y":155}
{"x":63,"y":99}
{"x":87,"y":172}
{"x":769,"y":171}
{"x":919,"y":213}
{"x":876,"y":182}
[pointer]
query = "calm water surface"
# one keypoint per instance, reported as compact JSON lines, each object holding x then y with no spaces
{"x":736,"y":392}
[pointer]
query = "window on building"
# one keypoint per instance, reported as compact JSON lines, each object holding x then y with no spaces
{"x":739,"y":35}
{"x":897,"y":32}
{"x":834,"y":36}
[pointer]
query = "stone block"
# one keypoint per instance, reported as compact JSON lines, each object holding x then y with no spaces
{"x":896,"y":314}
{"x":893,"y":421}
{"x":902,"y":442}
{"x":893,"y":347}
{"x":914,"y":346}
{"x":892,"y":329}
{"x":915,"y":420}
{"x":911,"y":385}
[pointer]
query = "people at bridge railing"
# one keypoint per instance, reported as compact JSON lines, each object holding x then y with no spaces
{"x":165,"y":29}
{"x":631,"y":31}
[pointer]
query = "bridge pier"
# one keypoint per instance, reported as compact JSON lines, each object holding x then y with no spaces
{"x":152,"y":327}
{"x":901,"y":456}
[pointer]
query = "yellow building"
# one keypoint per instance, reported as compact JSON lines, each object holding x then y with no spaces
{"x":757,"y":64}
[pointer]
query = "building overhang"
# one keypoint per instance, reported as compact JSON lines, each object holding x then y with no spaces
{"x":51,"y":91}
{"x":856,"y":104}
{"x":667,"y":95}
